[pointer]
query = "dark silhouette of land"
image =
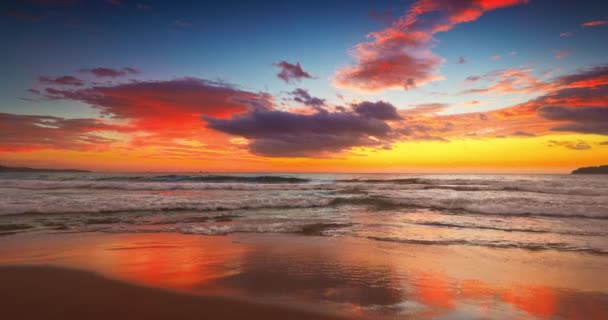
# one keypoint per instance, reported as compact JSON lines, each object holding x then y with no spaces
{"x":26,"y":169}
{"x":592,"y":170}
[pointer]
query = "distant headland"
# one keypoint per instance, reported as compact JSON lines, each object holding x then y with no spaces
{"x":26,"y":169}
{"x":592,"y":170}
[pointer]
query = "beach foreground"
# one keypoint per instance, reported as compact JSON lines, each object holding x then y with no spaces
{"x":282,"y":276}
{"x":29,"y":292}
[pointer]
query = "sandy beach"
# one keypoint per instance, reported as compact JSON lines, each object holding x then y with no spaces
{"x":273,"y":276}
{"x":29,"y":292}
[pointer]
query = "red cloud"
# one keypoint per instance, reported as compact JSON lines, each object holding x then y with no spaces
{"x":166,"y":109}
{"x":504,"y":81}
{"x":560,"y":54}
{"x":595,"y":23}
{"x":400,"y":56}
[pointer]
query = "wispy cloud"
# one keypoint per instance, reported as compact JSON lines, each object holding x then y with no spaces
{"x":401,"y":56}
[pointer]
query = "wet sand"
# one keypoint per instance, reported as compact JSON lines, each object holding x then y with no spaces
{"x":271,"y":276}
{"x":38,"y":292}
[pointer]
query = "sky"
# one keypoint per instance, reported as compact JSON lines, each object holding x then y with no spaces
{"x":472,"y":86}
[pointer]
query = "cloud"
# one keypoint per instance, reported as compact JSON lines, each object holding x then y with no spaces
{"x":63,"y":81}
{"x":495,"y":57}
{"x":581,"y":114}
{"x":566,"y":34}
{"x":574,"y":145}
{"x":400,"y":56}
{"x":283,"y":134}
{"x":102,"y":72}
{"x":166,"y":109}
{"x":424,"y":109}
{"x":596,"y":23}
{"x":302,"y":96}
{"x":376,"y":110}
{"x":461,"y":60}
{"x":31,"y":132}
{"x":522,"y":134}
{"x":505,"y":81}
{"x":291,"y":72}
{"x":560,"y":54}
{"x":589,"y":78}
{"x":582,"y":119}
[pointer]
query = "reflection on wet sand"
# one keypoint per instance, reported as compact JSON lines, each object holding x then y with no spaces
{"x":356,"y":277}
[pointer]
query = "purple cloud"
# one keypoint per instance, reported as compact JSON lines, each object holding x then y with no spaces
{"x":102,"y":72}
{"x":63,"y":81}
{"x":302,"y":96}
{"x":283,"y":134}
{"x":376,"y":110}
{"x":582,"y":119}
{"x":291,"y":72}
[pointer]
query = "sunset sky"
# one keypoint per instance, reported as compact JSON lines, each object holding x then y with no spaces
{"x":305,"y":86}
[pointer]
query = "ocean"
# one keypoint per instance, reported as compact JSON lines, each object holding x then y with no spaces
{"x":530,"y":212}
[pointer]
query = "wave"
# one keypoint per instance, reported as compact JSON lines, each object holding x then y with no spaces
{"x":163,"y":204}
{"x":181,"y":182}
{"x":476,"y":206}
{"x":157,"y":186}
{"x":208,"y":179}
{"x":322,"y":229}
{"x":558,"y":246}
{"x":506,"y":229}
{"x":309,"y":229}
{"x":484,"y":185}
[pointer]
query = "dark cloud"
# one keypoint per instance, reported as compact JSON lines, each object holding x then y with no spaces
{"x":63,"y":80}
{"x":522,"y":134}
{"x":302,"y":96}
{"x":581,"y":119}
{"x":376,"y":110}
{"x":291,"y":72}
{"x":284,"y":134}
{"x":597,"y":74}
{"x":111,"y":73}
{"x":582,"y":114}
{"x":32,"y":132}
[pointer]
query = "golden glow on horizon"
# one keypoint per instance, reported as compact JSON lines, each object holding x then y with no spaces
{"x":508,"y":155}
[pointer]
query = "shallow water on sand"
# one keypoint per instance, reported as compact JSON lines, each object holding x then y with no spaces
{"x":349,"y":276}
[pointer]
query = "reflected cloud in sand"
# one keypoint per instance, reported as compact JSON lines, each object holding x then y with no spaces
{"x":356,"y":277}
